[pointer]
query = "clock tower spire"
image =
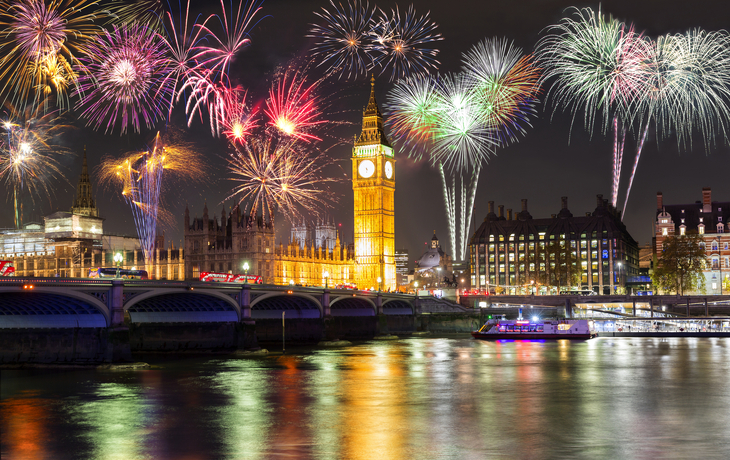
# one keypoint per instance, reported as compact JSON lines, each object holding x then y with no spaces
{"x":373,"y":185}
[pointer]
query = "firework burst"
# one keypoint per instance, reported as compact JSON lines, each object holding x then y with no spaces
{"x":277,"y":175}
{"x":27,"y":154}
{"x":148,"y":12}
{"x":141,"y":176}
{"x":405,"y":44}
{"x":293,"y":107}
{"x":240,"y":118}
{"x":505,"y":85}
{"x":126,"y":80}
{"x":344,"y":39}
{"x":412,"y":105}
{"x":40,"y":45}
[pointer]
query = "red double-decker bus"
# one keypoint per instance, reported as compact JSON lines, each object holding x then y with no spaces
{"x":7,"y":268}
{"x":229,"y":278}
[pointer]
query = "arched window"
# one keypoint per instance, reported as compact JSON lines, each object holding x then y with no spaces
{"x":720,"y":228}
{"x":714,"y":245}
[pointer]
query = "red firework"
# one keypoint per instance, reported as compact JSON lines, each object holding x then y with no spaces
{"x":240,"y":120}
{"x":293,"y":107}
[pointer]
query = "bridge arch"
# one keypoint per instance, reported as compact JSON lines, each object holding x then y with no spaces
{"x":397,"y":307}
{"x":352,"y":306}
{"x":271,"y":305}
{"x":174,"y":305}
{"x":46,"y":307}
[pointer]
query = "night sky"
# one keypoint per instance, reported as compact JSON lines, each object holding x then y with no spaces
{"x":549,"y":162}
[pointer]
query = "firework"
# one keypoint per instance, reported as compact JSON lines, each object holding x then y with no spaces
{"x":412,"y":105}
{"x":141,"y":176}
{"x":277,"y":175}
{"x":293,"y":106}
{"x":27,"y":156}
{"x":598,"y":65}
{"x":126,"y":81}
{"x":405,"y":44}
{"x":40,"y":46}
{"x":207,"y":93}
{"x":148,"y":12}
{"x":182,"y":42}
{"x":240,"y":118}
{"x":234,"y":37}
{"x":505,"y":85}
{"x":344,"y":38}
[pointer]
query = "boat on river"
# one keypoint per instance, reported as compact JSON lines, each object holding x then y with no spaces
{"x":500,"y":329}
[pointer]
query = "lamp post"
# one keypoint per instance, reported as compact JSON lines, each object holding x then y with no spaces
{"x":415,"y":285}
{"x":117,"y":261}
{"x":245,"y":273}
{"x":618,"y":281}
{"x":326,"y":275}
{"x":380,"y":281}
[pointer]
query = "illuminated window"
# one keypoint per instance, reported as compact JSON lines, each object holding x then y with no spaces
{"x":682,"y":228}
{"x":665,"y":231}
{"x":702,"y":229}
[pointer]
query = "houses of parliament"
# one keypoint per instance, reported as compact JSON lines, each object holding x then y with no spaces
{"x":314,"y":256}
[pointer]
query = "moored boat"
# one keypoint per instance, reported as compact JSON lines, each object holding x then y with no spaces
{"x":576,"y":329}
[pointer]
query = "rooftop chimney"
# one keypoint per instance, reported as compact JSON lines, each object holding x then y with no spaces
{"x":599,"y":200}
{"x":490,"y":206}
{"x":563,"y":202}
{"x":524,"y":205}
{"x":706,"y":199}
{"x":509,"y":214}
{"x":500,"y":212}
{"x":659,"y":200}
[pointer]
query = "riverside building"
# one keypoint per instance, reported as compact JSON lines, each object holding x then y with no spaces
{"x":522,"y":255}
{"x":708,"y":218}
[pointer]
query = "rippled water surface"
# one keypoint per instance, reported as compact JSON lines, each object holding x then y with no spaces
{"x":425,"y":398}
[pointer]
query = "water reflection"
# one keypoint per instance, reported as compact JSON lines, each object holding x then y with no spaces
{"x":426,"y":398}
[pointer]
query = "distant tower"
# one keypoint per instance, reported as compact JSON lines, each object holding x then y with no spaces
{"x":84,"y":203}
{"x":325,"y":234}
{"x":300,"y":234}
{"x":373,"y":184}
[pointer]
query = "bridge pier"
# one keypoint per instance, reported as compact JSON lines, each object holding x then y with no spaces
{"x":244,"y":302}
{"x":118,"y":346}
{"x":116,"y":303}
{"x":326,"y":311}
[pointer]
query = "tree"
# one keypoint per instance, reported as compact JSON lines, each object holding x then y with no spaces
{"x":681,"y":264}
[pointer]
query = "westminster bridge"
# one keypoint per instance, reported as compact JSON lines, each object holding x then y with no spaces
{"x":101,"y":320}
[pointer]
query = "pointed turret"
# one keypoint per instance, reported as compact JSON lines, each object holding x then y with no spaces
{"x":84,"y":203}
{"x":372,"y":122}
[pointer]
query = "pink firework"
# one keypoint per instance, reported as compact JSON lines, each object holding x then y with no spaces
{"x":293,"y":107}
{"x":206,"y":93}
{"x":126,"y":82}
{"x":233,"y":39}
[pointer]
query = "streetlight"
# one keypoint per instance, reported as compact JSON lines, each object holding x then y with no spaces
{"x":380,"y":280}
{"x":415,"y":285}
{"x":326,"y":275}
{"x":619,"y":274}
{"x":118,"y":260}
{"x":245,"y":272}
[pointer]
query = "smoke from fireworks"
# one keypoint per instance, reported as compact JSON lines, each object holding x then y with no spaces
{"x":278,"y":175}
{"x":141,"y":176}
{"x":126,"y":81}
{"x":40,"y":46}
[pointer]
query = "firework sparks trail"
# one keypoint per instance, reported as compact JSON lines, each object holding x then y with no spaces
{"x":40,"y":46}
{"x":618,"y":157}
{"x":277,"y":175}
{"x":209,"y":94}
{"x":293,"y":107}
{"x":636,"y":164}
{"x":27,"y":157}
{"x":344,"y":40}
{"x":405,"y":44}
{"x":127,"y":68}
{"x":148,"y":12}
{"x":412,"y":106}
{"x":235,"y":37}
{"x":182,"y":42}
{"x":141,"y":176}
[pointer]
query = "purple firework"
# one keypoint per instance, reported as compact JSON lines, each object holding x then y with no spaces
{"x":126,"y":81}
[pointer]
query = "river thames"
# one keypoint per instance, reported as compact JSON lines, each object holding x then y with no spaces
{"x":426,"y":398}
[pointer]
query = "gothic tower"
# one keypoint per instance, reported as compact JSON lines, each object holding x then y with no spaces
{"x":84,"y":203}
{"x":373,"y":185}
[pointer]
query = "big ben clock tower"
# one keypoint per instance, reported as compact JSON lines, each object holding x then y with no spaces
{"x":373,"y":184}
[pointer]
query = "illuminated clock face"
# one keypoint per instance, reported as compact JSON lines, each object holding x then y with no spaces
{"x":388,"y":169}
{"x":366,"y":168}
